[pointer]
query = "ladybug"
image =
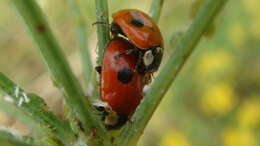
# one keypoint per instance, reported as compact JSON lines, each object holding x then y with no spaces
{"x":121,"y":85}
{"x":143,"y":33}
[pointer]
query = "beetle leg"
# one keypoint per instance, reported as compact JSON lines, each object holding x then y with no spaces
{"x":101,"y":23}
{"x":98,"y":69}
{"x":127,"y":52}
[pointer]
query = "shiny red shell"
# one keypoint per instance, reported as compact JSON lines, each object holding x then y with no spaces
{"x":123,"y":97}
{"x":139,"y":28}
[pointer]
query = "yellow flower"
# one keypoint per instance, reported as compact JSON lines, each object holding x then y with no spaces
{"x":214,"y":61}
{"x":218,"y":99}
{"x":174,"y":138}
{"x":255,"y":28}
{"x":249,"y":115}
{"x":232,"y":137}
{"x":252,"y":6}
{"x":237,"y":34}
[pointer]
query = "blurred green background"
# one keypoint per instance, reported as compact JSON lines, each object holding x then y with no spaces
{"x":215,"y":100}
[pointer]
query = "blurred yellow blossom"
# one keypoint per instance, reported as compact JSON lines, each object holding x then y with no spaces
{"x":174,"y":138}
{"x":214,"y":61}
{"x":218,"y":99}
{"x":233,"y":137}
{"x":255,"y":28}
{"x":249,"y":113}
{"x":252,"y":6}
{"x":237,"y":34}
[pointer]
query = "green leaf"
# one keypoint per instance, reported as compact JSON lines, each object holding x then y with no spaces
{"x":32,"y":111}
{"x":10,"y":137}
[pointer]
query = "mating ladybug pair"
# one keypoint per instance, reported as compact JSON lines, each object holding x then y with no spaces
{"x":130,"y":58}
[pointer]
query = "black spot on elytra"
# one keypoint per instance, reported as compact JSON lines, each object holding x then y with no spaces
{"x":125,"y":75}
{"x":137,"y":22}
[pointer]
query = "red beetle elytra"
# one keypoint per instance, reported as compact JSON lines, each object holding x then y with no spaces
{"x":121,"y":86}
{"x":143,"y":33}
{"x":130,"y":58}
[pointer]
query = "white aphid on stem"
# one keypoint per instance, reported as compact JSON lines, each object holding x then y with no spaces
{"x":26,"y":99}
{"x":20,"y":102}
{"x":16,"y":91}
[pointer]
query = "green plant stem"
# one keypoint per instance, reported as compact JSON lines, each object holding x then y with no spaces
{"x":11,"y":142}
{"x":102,"y":30}
{"x":174,"y":39}
{"x":10,"y":139}
{"x":34,"y":108}
{"x":38,"y":132}
{"x":132,"y":131}
{"x":82,"y":40}
{"x":155,"y":9}
{"x":103,"y":37}
{"x":61,"y":73}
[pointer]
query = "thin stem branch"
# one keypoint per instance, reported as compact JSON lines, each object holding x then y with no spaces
{"x":132,"y":131}
{"x":155,"y":9}
{"x":61,"y":73}
{"x":38,"y":132}
{"x":103,"y":37}
{"x":36,"y":109}
{"x":82,"y":40}
{"x":11,"y":142}
{"x":11,"y":138}
{"x":102,"y":30}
